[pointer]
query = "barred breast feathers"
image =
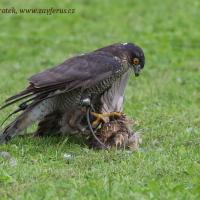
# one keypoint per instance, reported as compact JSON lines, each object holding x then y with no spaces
{"x":113,"y":99}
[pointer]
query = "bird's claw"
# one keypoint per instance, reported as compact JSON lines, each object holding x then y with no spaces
{"x":99,"y":119}
{"x":102,"y":117}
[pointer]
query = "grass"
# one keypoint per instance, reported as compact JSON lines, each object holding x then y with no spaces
{"x":165,"y":99}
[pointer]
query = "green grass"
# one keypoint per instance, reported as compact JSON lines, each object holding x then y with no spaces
{"x":165,"y":99}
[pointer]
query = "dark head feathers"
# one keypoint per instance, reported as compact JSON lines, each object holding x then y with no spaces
{"x":129,"y":50}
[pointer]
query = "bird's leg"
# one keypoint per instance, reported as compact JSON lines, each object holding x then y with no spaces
{"x":101,"y":117}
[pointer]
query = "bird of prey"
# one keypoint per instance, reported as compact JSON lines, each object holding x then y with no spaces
{"x":54,"y":97}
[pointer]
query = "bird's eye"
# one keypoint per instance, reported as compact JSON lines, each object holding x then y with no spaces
{"x":136,"y":61}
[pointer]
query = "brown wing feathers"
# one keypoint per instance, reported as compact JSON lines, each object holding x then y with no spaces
{"x":80,"y":71}
{"x":29,"y":92}
{"x":39,"y":94}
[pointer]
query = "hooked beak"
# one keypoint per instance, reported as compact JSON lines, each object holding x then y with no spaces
{"x":137,"y":69}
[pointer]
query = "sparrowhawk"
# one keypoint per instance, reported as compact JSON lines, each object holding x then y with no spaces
{"x":54,"y":97}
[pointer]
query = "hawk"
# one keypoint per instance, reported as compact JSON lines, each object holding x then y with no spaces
{"x":56,"y":97}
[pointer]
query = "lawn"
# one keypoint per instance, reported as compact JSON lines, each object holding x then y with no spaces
{"x":165,"y":100}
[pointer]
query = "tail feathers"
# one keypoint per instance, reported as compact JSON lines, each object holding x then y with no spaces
{"x":19,"y":124}
{"x":34,"y":96}
{"x":32,"y":113}
{"x":8,"y":133}
{"x":15,"y":101}
{"x":32,"y":93}
{"x":28,"y":90}
{"x":3,"y":138}
{"x":11,"y":114}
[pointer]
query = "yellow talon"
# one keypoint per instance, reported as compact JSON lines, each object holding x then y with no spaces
{"x":100,"y":117}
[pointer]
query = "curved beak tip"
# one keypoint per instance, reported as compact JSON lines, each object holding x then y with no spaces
{"x":137,"y":69}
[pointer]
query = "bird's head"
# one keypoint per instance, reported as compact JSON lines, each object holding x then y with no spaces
{"x":136,"y":57}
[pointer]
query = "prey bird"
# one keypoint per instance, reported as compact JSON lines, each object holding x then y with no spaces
{"x":56,"y":97}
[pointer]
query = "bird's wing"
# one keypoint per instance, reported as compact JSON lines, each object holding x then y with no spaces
{"x":86,"y":70}
{"x":78,"y":72}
